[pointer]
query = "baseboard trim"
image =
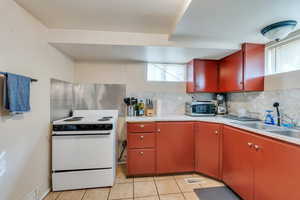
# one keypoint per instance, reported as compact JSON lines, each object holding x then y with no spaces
{"x":45,"y":194}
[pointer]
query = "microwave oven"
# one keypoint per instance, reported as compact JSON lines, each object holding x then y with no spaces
{"x":200,"y":108}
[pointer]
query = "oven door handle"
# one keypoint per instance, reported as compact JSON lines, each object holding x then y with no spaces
{"x":82,"y":134}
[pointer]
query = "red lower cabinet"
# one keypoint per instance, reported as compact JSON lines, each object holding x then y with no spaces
{"x":260,"y":168}
{"x":141,"y":161}
{"x":238,"y":161}
{"x":277,"y":172}
{"x":141,"y":140}
{"x":175,"y":147}
{"x":207,"y":149}
{"x":141,"y":154}
{"x":254,"y":166}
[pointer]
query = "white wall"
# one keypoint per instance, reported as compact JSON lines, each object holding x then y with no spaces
{"x":24,"y":141}
{"x":283,"y":81}
{"x":131,"y":73}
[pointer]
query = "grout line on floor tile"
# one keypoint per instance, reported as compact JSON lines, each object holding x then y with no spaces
{"x":156,"y":189}
{"x":182,"y":193}
{"x":85,"y":191}
{"x":178,"y":186}
{"x":109,"y":193}
{"x":57,"y":195}
{"x":133,"y":196}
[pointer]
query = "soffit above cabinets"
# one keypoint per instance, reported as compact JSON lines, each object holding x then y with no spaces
{"x":145,"y":16}
{"x":123,"y":53}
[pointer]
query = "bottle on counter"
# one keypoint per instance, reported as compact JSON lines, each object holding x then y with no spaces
{"x":141,"y":106}
{"x":269,"y":118}
{"x":137,"y":110}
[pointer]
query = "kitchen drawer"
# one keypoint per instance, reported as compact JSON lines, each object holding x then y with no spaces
{"x":141,"y":161}
{"x":141,"y":140}
{"x":141,"y":127}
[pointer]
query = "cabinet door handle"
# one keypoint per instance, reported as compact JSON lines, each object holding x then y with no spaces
{"x":250,"y":144}
{"x":142,"y":153}
{"x":142,"y":125}
{"x":256,"y":147}
{"x":158,"y":130}
{"x":216,"y":132}
{"x":142,"y":137}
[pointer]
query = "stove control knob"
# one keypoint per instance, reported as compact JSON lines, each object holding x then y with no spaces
{"x":107,"y":126}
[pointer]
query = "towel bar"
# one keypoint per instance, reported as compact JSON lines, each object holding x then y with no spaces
{"x":32,"y":80}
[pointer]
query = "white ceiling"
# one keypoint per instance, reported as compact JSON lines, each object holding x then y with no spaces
{"x":197,"y":28}
{"x":138,"y":53}
{"x":234,"y":20}
{"x":146,"y":16}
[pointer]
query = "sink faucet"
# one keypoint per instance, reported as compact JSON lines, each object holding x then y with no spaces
{"x":276,"y":105}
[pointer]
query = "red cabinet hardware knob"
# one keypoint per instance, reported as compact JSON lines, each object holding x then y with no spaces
{"x":257,"y":147}
{"x":142,"y":153}
{"x":250,"y":144}
{"x":142,"y":125}
{"x":142,"y":137}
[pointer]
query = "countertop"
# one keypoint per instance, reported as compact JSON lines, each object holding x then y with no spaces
{"x":216,"y":119}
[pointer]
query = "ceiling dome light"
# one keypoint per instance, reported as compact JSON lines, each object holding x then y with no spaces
{"x":279,"y":30}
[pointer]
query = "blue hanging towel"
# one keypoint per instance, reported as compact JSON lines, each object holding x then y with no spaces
{"x":17,"y":97}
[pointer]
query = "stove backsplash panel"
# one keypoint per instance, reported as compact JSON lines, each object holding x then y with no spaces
{"x":61,"y":99}
{"x":66,"y":96}
{"x":99,"y":96}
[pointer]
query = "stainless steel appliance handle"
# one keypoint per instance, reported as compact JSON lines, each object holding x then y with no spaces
{"x":81,"y":134}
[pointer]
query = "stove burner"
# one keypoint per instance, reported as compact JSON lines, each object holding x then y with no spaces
{"x":73,"y":119}
{"x":105,"y":119}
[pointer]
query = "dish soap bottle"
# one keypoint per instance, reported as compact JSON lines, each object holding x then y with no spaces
{"x":141,"y":108}
{"x":269,"y":119}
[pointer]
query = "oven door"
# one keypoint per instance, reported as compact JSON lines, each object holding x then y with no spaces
{"x":81,"y":151}
{"x":204,"y":109}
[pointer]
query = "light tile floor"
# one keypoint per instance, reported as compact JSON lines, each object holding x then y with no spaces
{"x":141,"y":188}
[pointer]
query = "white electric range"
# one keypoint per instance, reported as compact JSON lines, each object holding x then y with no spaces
{"x":84,"y":150}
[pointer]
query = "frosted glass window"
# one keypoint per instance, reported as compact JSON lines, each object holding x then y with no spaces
{"x":284,"y":57}
{"x":166,"y":72}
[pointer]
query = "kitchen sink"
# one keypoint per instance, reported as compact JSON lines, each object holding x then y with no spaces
{"x":259,"y":125}
{"x":290,"y":132}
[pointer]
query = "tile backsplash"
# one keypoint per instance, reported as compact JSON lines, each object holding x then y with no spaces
{"x":171,"y":102}
{"x":256,"y":103}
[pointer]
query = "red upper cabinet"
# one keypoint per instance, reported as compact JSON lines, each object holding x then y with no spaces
{"x":190,"y":88}
{"x":254,"y":66}
{"x":175,"y":147}
{"x":202,"y":76}
{"x":241,"y":71}
{"x":231,"y":73}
